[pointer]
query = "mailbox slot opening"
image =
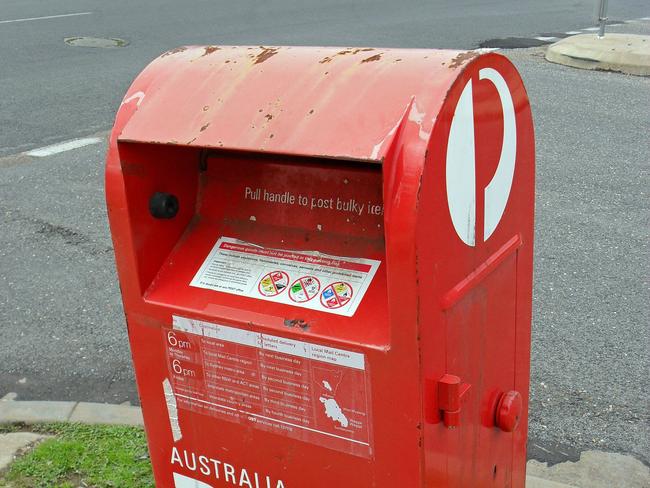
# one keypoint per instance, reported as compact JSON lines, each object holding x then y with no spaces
{"x":279,"y":202}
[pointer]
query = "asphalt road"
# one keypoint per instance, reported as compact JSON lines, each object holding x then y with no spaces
{"x":51,"y":91}
{"x":63,"y":335}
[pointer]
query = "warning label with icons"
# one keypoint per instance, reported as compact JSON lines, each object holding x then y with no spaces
{"x":273,"y":283}
{"x":336,"y":295}
{"x":304,"y":289}
{"x":308,"y":279}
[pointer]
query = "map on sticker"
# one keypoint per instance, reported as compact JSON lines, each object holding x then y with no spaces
{"x":307,"y":279}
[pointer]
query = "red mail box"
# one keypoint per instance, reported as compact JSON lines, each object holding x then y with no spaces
{"x":325,"y":258}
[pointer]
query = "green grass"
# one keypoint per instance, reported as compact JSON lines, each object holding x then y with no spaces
{"x":82,"y":455}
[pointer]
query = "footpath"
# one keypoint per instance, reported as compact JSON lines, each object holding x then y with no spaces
{"x":627,"y":52}
{"x":594,"y":469}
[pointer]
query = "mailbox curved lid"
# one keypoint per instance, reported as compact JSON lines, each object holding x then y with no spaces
{"x":328,"y":102}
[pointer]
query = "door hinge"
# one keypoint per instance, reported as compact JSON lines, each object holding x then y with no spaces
{"x":450,"y":396}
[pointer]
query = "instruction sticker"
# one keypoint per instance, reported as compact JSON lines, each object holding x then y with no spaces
{"x":307,"y":279}
{"x":303,"y":390}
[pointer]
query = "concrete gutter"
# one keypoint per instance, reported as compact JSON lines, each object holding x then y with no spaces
{"x":626,"y":53}
{"x":597,"y":471}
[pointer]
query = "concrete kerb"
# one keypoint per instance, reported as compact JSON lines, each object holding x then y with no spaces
{"x":31,"y":412}
{"x":625,"y":53}
{"x":535,"y":482}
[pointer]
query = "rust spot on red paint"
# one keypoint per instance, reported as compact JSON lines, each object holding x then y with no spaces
{"x":191,"y":141}
{"x":268,"y":116}
{"x":296,"y":323}
{"x":174,"y":51}
{"x":356,"y":51}
{"x":210,"y":50}
{"x":376,"y":57}
{"x":205,"y":127}
{"x":271,"y":136}
{"x":206,"y":107}
{"x":461,"y":58}
{"x":266,"y":53}
{"x":311,"y":111}
{"x":327,"y":59}
{"x":397,"y":60}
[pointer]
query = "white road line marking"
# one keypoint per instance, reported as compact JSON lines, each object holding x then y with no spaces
{"x":42,"y":152}
{"x":644,"y":18}
{"x":45,"y":18}
{"x":591,"y":29}
{"x":573,"y":33}
{"x":485,"y":49}
{"x":543,"y":38}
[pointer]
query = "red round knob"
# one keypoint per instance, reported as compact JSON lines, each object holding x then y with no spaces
{"x":509,"y":411}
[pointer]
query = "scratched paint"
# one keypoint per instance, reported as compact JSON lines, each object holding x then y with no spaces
{"x":247,"y":115}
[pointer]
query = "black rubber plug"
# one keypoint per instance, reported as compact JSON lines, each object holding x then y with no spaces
{"x":163,"y":205}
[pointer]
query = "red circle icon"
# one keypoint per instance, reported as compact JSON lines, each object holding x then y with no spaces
{"x":304,"y":289}
{"x":336,"y":295}
{"x":273,"y":283}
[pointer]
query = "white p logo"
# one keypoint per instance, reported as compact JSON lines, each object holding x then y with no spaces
{"x":461,"y":163}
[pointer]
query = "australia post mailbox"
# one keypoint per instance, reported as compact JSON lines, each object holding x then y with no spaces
{"x":325,"y":257}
